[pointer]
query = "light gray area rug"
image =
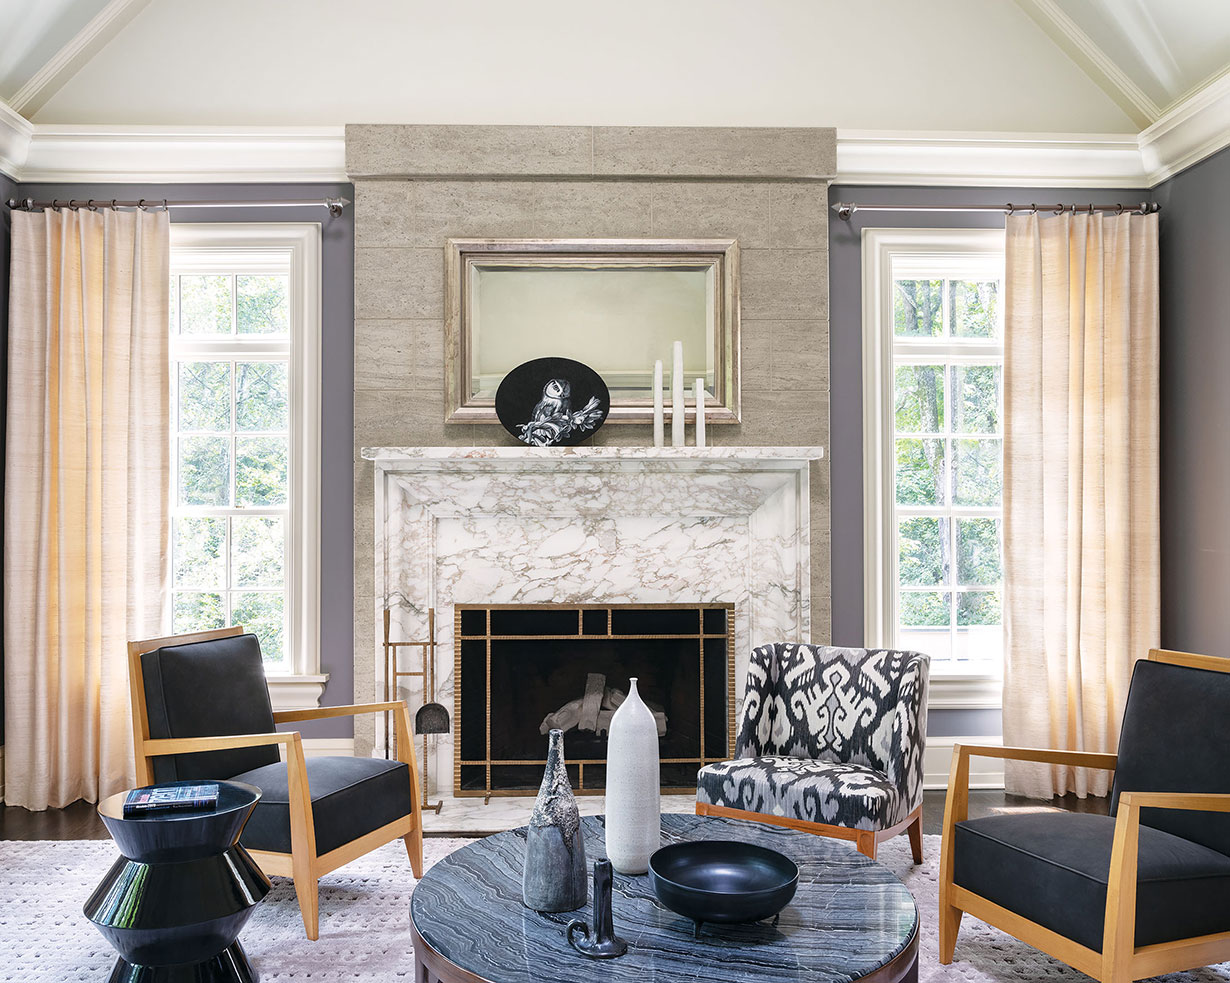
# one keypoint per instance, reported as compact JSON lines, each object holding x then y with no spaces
{"x":364,"y":924}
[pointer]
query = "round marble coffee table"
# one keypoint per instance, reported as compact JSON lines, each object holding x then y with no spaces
{"x":851,"y":919}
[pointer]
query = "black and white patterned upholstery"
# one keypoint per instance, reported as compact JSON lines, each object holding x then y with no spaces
{"x":828,"y":735}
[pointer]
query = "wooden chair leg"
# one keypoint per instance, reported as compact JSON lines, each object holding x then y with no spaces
{"x":915,"y":833}
{"x":414,"y":850}
{"x":950,"y":925}
{"x":302,"y":838}
{"x":306,"y":889}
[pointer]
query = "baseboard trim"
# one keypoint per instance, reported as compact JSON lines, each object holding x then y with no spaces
{"x":983,"y":772}
{"x":326,"y":747}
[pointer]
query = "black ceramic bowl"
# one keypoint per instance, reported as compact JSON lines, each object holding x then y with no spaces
{"x":722,"y":881}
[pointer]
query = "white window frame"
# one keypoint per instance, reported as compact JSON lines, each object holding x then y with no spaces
{"x":214,"y":246}
{"x":959,"y":249}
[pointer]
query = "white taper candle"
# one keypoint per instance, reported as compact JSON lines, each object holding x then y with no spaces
{"x":659,"y":429}
{"x":699,"y":389}
{"x":678,"y":412}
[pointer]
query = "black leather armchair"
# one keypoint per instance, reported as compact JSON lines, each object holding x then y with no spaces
{"x":1140,"y":892}
{"x":201,"y":711}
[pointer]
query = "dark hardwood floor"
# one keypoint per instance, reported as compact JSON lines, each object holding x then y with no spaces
{"x":80,"y":820}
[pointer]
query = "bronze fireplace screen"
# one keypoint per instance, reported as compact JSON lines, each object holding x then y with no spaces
{"x":520,"y":669}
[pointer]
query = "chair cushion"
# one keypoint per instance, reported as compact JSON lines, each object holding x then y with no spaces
{"x":1053,"y":868}
{"x":350,"y":797}
{"x":815,"y":791}
{"x":206,"y":689}
{"x":1176,"y":729}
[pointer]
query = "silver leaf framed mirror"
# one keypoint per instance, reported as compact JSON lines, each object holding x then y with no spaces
{"x":615,"y":304}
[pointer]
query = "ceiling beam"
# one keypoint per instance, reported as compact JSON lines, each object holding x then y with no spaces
{"x":70,"y":59}
{"x":1092,"y":60}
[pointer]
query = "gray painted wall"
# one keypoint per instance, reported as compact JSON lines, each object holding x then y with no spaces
{"x":846,"y":386}
{"x":1195,"y":393}
{"x":337,"y":374}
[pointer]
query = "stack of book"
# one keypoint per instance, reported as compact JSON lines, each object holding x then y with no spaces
{"x":170,"y":798}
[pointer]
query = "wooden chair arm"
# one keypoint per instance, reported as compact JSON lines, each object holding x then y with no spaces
{"x":1052,"y":756}
{"x":401,"y":728}
{"x":956,"y":804}
{"x":322,"y":713}
{"x":1195,"y":801}
{"x":190,"y":745}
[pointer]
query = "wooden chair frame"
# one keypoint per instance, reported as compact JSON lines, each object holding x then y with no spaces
{"x":865,"y":840}
{"x":303,"y":863}
{"x":1120,"y":960}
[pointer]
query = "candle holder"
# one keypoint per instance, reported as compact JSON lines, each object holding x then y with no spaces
{"x":602,"y":943}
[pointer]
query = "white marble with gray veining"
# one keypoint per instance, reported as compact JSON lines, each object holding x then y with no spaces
{"x":510,"y":525}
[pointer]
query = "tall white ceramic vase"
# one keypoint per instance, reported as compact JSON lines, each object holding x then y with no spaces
{"x":633,"y":786}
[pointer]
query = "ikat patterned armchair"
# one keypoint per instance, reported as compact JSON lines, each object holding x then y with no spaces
{"x":831,"y":741}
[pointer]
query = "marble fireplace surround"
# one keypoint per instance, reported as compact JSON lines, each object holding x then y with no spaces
{"x":521,"y":525}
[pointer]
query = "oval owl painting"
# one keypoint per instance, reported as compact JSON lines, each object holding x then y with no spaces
{"x":552,"y":402}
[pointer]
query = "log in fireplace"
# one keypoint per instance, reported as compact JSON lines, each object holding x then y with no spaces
{"x":520,"y":668}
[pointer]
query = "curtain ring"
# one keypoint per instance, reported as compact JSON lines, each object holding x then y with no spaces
{"x":1033,"y":208}
{"x":72,"y":204}
{"x":55,"y":204}
{"x":91,"y":206}
{"x":1010,"y":209}
{"x":1058,"y":209}
{"x":164,"y":205}
{"x":141,"y":204}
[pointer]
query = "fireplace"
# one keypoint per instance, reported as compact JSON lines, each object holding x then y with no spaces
{"x":520,"y":669}
{"x":577,"y":527}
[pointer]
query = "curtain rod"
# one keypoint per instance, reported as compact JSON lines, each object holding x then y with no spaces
{"x":845,"y":209}
{"x":335,"y":205}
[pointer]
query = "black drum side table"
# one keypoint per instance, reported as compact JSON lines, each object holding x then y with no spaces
{"x":175,"y":901}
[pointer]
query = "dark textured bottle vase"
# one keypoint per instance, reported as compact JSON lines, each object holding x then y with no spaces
{"x":602,"y":943}
{"x":554,"y":877}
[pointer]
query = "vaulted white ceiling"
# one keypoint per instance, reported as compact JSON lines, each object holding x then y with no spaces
{"x":991,"y":65}
{"x":1167,"y":47}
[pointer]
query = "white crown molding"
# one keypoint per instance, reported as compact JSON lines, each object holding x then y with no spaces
{"x":297,"y":154}
{"x":989,"y":159}
{"x":15,"y":135}
{"x":1092,"y":60}
{"x":294,"y":154}
{"x":70,"y":59}
{"x":1193,"y":130}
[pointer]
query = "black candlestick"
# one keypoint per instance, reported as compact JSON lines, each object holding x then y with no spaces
{"x":603,"y":943}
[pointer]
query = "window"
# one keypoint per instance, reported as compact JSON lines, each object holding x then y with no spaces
{"x":245,"y":343}
{"x":933,"y":425}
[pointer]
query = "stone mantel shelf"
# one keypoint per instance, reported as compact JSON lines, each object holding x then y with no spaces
{"x":590,"y":458}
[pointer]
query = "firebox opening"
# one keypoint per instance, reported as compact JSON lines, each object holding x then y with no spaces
{"x":523,"y":668}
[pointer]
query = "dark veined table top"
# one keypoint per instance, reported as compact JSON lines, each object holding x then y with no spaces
{"x":849,"y":917}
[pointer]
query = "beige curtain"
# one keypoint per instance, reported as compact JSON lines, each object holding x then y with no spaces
{"x":85,"y":493}
{"x":1081,"y":521}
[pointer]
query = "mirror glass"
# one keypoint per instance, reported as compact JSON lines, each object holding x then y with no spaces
{"x":618,"y":321}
